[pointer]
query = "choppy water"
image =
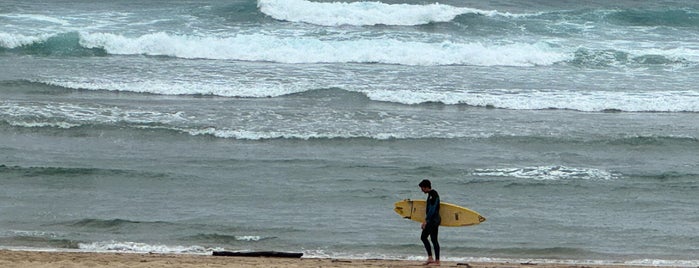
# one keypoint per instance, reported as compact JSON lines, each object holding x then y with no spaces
{"x":191,"y":126}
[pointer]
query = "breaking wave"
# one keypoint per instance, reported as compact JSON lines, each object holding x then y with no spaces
{"x":364,"y":13}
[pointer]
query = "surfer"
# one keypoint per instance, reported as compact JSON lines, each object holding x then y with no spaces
{"x":432,"y":220}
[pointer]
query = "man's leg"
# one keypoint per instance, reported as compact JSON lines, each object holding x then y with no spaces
{"x":423,"y":237}
{"x":434,"y":234}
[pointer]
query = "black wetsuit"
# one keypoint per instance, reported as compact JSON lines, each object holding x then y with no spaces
{"x":432,"y":220}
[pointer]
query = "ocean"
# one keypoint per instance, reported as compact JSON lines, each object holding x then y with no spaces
{"x":293,"y":125}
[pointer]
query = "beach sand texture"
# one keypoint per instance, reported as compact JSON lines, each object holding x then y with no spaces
{"x":40,"y":259}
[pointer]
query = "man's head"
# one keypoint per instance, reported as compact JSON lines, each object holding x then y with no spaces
{"x":425,"y":185}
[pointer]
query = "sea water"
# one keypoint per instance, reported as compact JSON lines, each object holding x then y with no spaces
{"x":294,"y":125}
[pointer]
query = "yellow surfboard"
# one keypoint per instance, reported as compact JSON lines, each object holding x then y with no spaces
{"x":452,"y":215}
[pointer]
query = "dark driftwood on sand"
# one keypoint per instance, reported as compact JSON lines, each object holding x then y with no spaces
{"x":273,"y":254}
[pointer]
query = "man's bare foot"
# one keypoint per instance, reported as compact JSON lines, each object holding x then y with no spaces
{"x":431,"y":262}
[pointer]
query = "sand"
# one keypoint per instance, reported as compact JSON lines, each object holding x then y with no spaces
{"x":12,"y":259}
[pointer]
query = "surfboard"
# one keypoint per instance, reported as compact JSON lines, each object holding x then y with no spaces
{"x":452,"y":215}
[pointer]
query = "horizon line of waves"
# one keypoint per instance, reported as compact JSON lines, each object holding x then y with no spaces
{"x":139,"y":247}
{"x":548,"y":173}
{"x":365,"y":13}
{"x":591,"y":101}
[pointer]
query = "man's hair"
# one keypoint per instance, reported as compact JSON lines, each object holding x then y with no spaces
{"x":426,"y":183}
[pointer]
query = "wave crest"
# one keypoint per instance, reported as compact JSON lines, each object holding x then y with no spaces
{"x":258,"y":47}
{"x":11,"y":41}
{"x":363,"y":13}
{"x":306,"y":49}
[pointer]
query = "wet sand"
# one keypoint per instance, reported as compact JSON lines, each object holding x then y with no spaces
{"x":12,"y":259}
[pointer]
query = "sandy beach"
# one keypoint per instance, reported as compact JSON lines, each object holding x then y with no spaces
{"x":11,"y":259}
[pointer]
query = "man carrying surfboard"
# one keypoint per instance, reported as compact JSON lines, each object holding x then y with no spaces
{"x":430,"y":227}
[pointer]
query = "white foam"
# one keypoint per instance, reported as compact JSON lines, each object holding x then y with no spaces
{"x":661,"y":262}
{"x":254,"y":135}
{"x":248,"y":238}
{"x":643,"y":262}
{"x":552,"y":173}
{"x":11,"y":41}
{"x":28,"y":233}
{"x":293,"y":48}
{"x":259,"y":47}
{"x":363,"y":13}
{"x":137,"y":247}
{"x":515,"y":99}
{"x":640,"y":262}
{"x":225,"y":88}
{"x":66,"y":115}
{"x":590,"y":101}
{"x":287,"y":134}
{"x":63,"y":125}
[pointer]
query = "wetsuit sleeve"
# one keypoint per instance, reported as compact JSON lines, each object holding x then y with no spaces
{"x":432,"y":211}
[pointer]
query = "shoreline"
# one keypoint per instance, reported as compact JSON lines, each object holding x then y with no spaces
{"x":51,"y":259}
